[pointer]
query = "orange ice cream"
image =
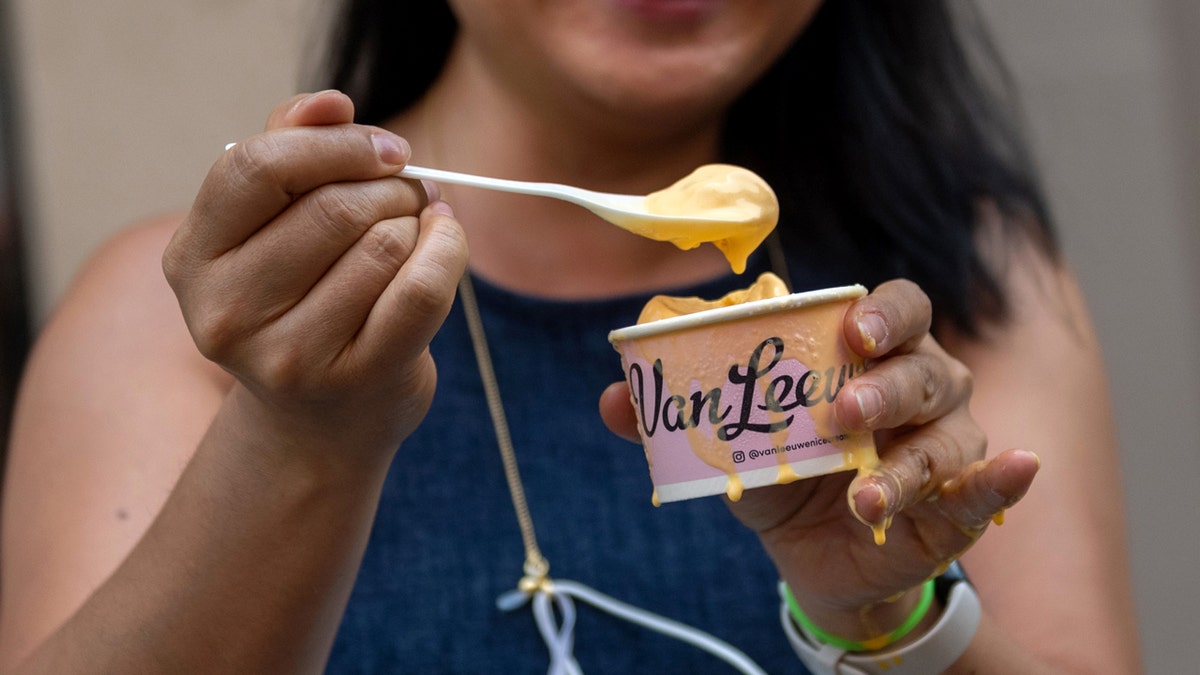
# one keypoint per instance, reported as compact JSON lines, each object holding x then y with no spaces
{"x":727,"y":205}
{"x":665,"y":306}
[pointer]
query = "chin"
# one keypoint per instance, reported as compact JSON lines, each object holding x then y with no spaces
{"x":700,"y":68}
{"x":668,"y":90}
{"x":670,"y":106}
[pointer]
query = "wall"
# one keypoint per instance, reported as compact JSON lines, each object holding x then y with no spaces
{"x":128,"y":102}
{"x":1111,"y":90}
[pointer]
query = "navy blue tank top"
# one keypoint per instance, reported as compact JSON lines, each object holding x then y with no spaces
{"x":446,"y":544}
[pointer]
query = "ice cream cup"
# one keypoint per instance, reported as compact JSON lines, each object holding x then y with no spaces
{"x":741,"y":396}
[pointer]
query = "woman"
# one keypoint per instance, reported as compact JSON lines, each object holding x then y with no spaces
{"x":255,"y":486}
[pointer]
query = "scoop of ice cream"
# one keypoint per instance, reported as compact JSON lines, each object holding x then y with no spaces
{"x":665,"y":306}
{"x":732,"y":207}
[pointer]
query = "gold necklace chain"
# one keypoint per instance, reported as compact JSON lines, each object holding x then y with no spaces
{"x":536,"y":566}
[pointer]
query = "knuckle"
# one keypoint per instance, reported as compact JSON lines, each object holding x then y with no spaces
{"x":450,"y":244}
{"x":427,"y":292}
{"x":389,"y":243}
{"x":932,"y":382}
{"x":182,"y":267}
{"x":216,"y":332}
{"x":451,"y":239}
{"x":920,"y":466}
{"x":963,"y":377}
{"x":910,"y":472}
{"x":285,"y":368}
{"x":937,"y":449}
{"x":173,"y":265}
{"x":336,"y":208}
{"x":423,"y":294}
{"x":429,"y":285}
{"x":254,"y":162}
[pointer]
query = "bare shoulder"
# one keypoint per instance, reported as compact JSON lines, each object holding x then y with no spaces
{"x":1041,"y":385}
{"x":119,"y":312}
{"x":114,"y":399}
{"x":124,"y":269}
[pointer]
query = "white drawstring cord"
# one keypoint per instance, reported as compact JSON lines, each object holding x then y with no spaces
{"x":560,"y":640}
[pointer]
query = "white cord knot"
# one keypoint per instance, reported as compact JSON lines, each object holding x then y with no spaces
{"x":549,"y":596}
{"x":559,"y":639}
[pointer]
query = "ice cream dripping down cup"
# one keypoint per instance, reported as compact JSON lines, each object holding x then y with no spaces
{"x":741,"y":396}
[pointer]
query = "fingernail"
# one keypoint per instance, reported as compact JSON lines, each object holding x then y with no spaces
{"x":304,"y":100}
{"x":872,"y":329}
{"x":1029,"y":453}
{"x":875,"y":496}
{"x":391,"y":148}
{"x":441,"y":207}
{"x":432,"y":190}
{"x":870,"y":505}
{"x":870,"y":403}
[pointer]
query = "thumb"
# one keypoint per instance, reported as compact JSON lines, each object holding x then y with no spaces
{"x":617,"y":412}
{"x":987,"y":488}
{"x":318,"y":109}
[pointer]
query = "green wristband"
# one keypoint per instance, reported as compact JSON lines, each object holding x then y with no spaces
{"x":873,"y":644}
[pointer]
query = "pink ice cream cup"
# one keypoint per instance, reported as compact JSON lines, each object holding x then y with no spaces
{"x":741,"y":396}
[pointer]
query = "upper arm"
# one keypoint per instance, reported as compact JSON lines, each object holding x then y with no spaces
{"x":1058,"y":565}
{"x":114,"y":399}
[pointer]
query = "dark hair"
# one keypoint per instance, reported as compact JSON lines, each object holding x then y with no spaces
{"x":382,"y":72}
{"x":883,"y":130}
{"x":15,"y":322}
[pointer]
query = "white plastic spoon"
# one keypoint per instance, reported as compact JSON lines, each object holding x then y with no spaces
{"x":726,"y":205}
{"x":619,"y":209}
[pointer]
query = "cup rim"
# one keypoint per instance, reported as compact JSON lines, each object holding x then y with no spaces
{"x":740,"y":311}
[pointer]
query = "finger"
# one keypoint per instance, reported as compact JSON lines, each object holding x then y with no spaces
{"x":337,"y":307}
{"x":258,"y":178}
{"x":912,"y":388}
{"x":892,"y":318}
{"x":915,"y":466}
{"x":411,"y":309}
{"x":983,"y":491}
{"x":289,"y":255}
{"x":273,"y":272}
{"x":317,"y":109}
{"x":617,"y":411}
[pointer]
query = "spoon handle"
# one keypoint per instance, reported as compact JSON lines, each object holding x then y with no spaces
{"x":554,"y":190}
{"x":603,"y":204}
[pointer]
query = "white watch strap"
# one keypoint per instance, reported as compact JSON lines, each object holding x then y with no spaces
{"x":933,"y":652}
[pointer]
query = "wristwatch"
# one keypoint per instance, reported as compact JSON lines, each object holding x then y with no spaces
{"x":933,"y":652}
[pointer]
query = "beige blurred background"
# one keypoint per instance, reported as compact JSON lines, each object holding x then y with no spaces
{"x":127,"y":102}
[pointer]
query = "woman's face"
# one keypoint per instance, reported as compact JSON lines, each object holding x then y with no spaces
{"x":660,"y":61}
